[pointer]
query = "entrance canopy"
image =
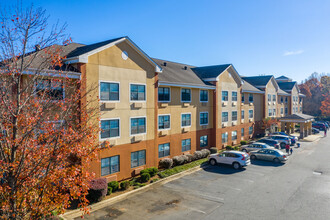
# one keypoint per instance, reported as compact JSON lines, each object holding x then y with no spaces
{"x":288,"y":124}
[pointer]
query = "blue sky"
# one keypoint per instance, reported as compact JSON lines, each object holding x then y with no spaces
{"x":289,"y":37}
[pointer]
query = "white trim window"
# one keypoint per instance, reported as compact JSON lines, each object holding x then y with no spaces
{"x":242,"y":114}
{"x":250,"y":97}
{"x":164,"y":94}
{"x":270,"y":112}
{"x":163,"y":150}
{"x":138,"y":158}
{"x":137,"y":92}
{"x":250,"y":130}
{"x":234,"y":115}
{"x":250,"y":113}
{"x":274,"y":112}
{"x":234,"y":96}
{"x":224,"y":96}
{"x":274,"y":98}
{"x":109,"y":91}
{"x":52,"y":89}
{"x":138,"y":125}
{"x":234,"y":135}
{"x":185,"y":119}
{"x":282,"y":111}
{"x":243,"y":98}
{"x":204,"y":118}
{"x":224,"y":137}
{"x":224,"y":116}
{"x":186,"y":145}
{"x":203,"y":95}
{"x":110,"y":165}
{"x":286,"y":110}
{"x":185,"y":95}
{"x":269,"y":97}
{"x":110,"y":128}
{"x":203,"y":141}
{"x":164,"y":122}
{"x":242,"y":132}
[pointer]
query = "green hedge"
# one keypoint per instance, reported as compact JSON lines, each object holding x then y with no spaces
{"x":152,"y":171}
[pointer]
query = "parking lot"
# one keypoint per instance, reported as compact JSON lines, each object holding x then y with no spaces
{"x":263,"y":190}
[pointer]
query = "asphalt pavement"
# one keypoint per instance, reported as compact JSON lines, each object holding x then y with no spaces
{"x":298,"y":189}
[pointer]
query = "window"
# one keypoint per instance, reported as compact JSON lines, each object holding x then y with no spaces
{"x":250,"y":97}
{"x":234,"y":96}
{"x":250,"y":130}
{"x":109,"y":91}
{"x":203,"y":141}
{"x":250,"y":113}
{"x":50,"y":89}
{"x":296,"y":109}
{"x":186,"y":120}
{"x":242,"y":132}
{"x":300,"y":109}
{"x":138,"y":158}
{"x":293,"y":98}
{"x":286,"y":111}
{"x":234,"y":135}
{"x":224,"y":116}
{"x":185,"y":95}
{"x":286,"y":99}
{"x":138,"y":125}
{"x":274,"y":98}
{"x":281,"y":99}
{"x":274,"y":112}
{"x":270,"y":112}
{"x":163,"y":94}
{"x":109,"y":128}
{"x":204,"y":118}
{"x":224,"y":96}
{"x":243,"y":98}
{"x":203,"y":96}
{"x":224,"y":137}
{"x":163,"y":150}
{"x":282,"y":111}
{"x":234,"y":115}
{"x":110,"y":165}
{"x":186,"y":144}
{"x":242,"y":114}
{"x":164,"y":122}
{"x":138,"y":92}
{"x":269,"y":98}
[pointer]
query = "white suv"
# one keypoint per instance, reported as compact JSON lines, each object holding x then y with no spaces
{"x":235,"y":158}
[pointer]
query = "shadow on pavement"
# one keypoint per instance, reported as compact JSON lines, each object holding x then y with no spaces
{"x":266,"y":163}
{"x":222,"y":169}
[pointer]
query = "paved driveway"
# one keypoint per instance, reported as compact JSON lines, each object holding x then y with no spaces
{"x":299,"y":189}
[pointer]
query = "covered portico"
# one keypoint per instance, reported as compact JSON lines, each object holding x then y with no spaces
{"x":288,"y":124}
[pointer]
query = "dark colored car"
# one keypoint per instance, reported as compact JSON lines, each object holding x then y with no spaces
{"x":270,"y":142}
{"x":319,"y":126}
{"x":323,"y":122}
{"x":315,"y":131}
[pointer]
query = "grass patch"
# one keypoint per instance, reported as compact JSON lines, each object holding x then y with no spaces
{"x":181,"y":168}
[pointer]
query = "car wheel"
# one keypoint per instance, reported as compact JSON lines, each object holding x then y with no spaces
{"x":213,"y":162}
{"x":276,"y":160}
{"x":282,"y":145}
{"x":236,"y":165}
{"x":244,"y":150}
{"x":253,"y":157}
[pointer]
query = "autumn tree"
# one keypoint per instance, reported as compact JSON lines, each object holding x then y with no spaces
{"x":325,"y":104}
{"x":47,"y":139}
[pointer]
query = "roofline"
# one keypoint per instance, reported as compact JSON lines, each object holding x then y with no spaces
{"x":250,"y":91}
{"x":83,"y":58}
{"x":53,"y":73}
{"x":163,"y":83}
{"x":285,"y":94}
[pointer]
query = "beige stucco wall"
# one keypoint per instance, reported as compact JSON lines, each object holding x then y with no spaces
{"x":295,"y":104}
{"x":270,"y":90}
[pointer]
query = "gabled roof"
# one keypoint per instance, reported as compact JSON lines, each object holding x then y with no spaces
{"x":283,"y":78}
{"x":80,"y":54}
{"x":297,"y":117}
{"x":175,"y":74}
{"x":205,"y":72}
{"x":281,"y":92}
{"x":286,"y":86}
{"x":247,"y":87}
{"x":258,"y":81}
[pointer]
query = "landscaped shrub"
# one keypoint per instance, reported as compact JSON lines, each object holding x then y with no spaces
{"x":114,"y":185}
{"x":237,"y":148}
{"x":243,"y":142}
{"x":125,"y":185}
{"x":97,"y":190}
{"x":228,"y":147}
{"x":145,"y":177}
{"x":166,"y":163}
{"x":185,"y":158}
{"x":109,"y":190}
{"x":189,"y":158}
{"x":198,"y":155}
{"x":213,"y":150}
{"x":205,"y":152}
{"x":178,"y":160}
{"x":154,"y":180}
{"x":138,"y":185}
{"x":152,"y":171}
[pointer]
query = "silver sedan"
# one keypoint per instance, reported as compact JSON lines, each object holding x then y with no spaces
{"x":255,"y":146}
{"x":269,"y":154}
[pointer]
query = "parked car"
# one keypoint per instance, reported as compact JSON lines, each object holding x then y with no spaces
{"x":284,"y":140}
{"x":292,"y":138}
{"x":315,"y":131}
{"x":255,"y":146}
{"x":268,"y":154}
{"x":323,"y":122}
{"x":319,"y":126}
{"x":235,"y":158}
{"x":270,"y":142}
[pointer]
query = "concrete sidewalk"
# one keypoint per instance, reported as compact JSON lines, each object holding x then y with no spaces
{"x":309,"y":138}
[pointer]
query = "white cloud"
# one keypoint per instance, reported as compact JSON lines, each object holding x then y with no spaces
{"x":295,"y":52}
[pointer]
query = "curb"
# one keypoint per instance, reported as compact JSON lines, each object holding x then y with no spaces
{"x":77,"y":213}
